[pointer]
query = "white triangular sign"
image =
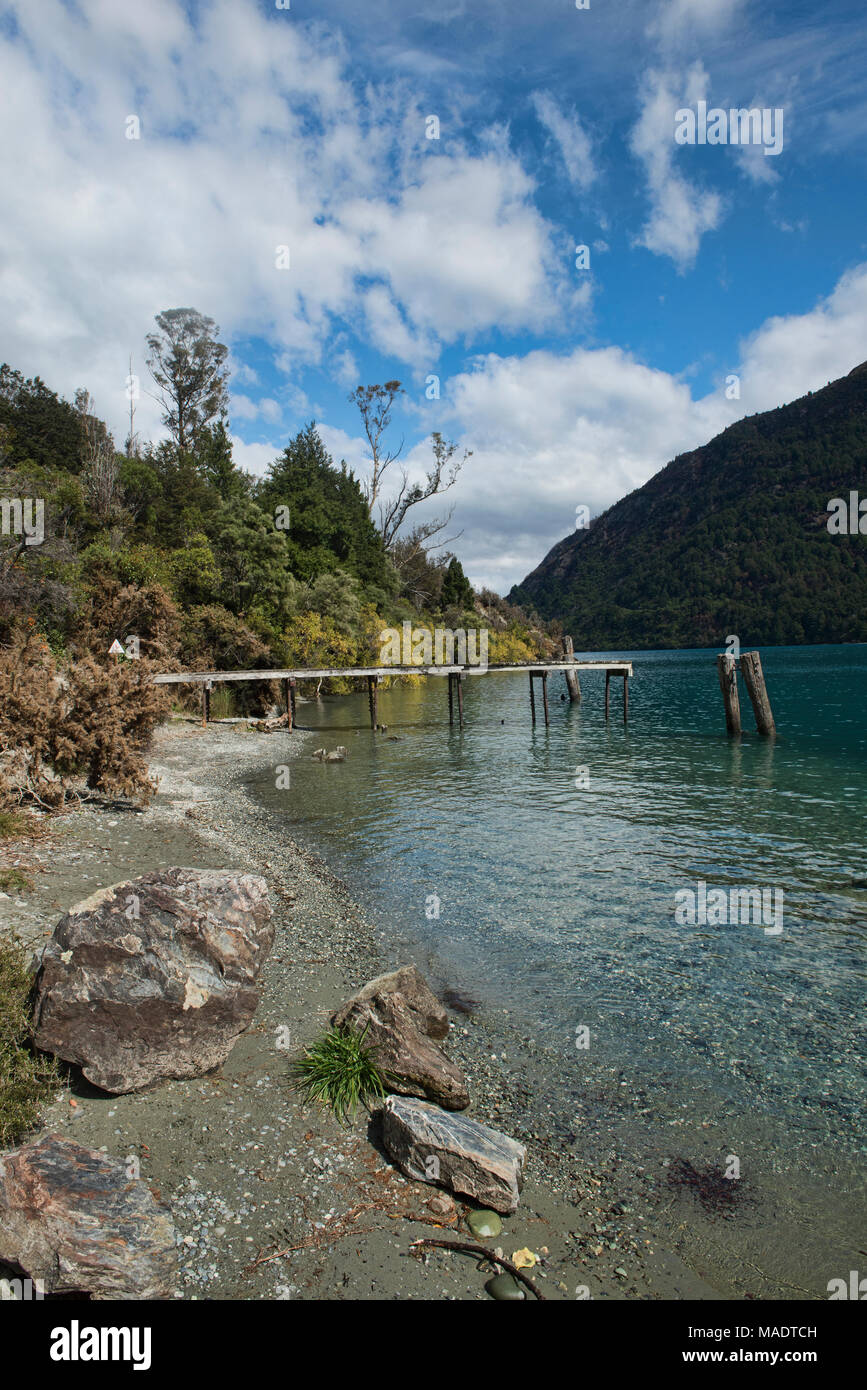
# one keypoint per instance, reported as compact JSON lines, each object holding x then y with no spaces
{"x":115,"y":649}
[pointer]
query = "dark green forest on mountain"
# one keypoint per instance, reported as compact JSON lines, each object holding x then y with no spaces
{"x":731,"y":538}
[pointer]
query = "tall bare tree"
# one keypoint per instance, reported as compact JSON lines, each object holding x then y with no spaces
{"x":100,"y":474}
{"x":187,"y":362}
{"x":375,"y":404}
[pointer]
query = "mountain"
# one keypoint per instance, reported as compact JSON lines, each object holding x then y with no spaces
{"x":731,"y":538}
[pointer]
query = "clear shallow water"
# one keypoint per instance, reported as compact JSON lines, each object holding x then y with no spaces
{"x":558,"y":902}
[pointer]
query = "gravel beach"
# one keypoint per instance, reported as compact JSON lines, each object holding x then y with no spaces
{"x":273,"y":1200}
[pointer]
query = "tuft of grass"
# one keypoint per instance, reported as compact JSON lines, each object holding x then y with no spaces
{"x":27,"y":1078}
{"x":12,"y":825}
{"x":338,"y":1071}
{"x":15,"y":879}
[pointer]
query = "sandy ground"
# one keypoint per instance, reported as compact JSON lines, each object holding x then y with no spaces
{"x":275,"y":1201}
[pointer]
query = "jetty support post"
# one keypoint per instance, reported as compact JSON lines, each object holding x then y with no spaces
{"x":532,"y":698}
{"x":607,"y":692}
{"x":460,"y":684}
{"x":545,"y":697}
{"x":728,"y":684}
{"x":626,"y":697}
{"x":572,"y":683}
{"x":451,"y":699}
{"x":754,"y":680}
{"x":206,"y":702}
{"x":287,"y":701}
{"x":372,"y":693}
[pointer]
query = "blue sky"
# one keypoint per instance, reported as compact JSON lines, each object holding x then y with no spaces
{"x":455,"y":257}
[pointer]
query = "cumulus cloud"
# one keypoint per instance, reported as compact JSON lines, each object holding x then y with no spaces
{"x":554,"y":431}
{"x":253,"y":135}
{"x":680,"y":212}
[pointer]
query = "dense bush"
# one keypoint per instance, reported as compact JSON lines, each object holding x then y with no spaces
{"x":82,"y":732}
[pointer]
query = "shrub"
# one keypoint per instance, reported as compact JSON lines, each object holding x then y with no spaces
{"x":27,"y":1079}
{"x":94,"y":724}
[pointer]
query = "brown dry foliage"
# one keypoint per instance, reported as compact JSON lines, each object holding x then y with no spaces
{"x":90,"y":725}
{"x":111,"y":611}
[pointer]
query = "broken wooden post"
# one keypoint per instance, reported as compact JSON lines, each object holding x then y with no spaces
{"x":545,"y":696}
{"x":754,"y":680}
{"x":372,"y":692}
{"x":607,"y":691}
{"x":728,"y":684}
{"x":532,"y":698}
{"x":572,"y":681}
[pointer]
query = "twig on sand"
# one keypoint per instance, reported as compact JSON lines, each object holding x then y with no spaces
{"x":334,"y":1232}
{"x":464,"y":1247}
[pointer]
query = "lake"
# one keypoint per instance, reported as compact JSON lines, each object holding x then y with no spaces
{"x":539,"y":871}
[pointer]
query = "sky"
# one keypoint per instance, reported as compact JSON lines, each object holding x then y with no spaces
{"x":279,"y":170}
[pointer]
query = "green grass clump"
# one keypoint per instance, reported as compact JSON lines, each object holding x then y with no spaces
{"x":27,"y":1079}
{"x":15,"y":880}
{"x":339,"y":1071}
{"x":12,"y":824}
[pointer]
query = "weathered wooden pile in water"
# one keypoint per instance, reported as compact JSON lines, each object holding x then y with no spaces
{"x":750,"y":667}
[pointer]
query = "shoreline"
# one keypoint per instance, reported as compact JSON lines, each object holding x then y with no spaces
{"x":248,"y":1172}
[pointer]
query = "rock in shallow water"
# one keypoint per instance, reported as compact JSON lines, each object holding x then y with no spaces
{"x":156,"y":977}
{"x":403,"y":1019}
{"x":75,"y":1220}
{"x":430,"y":1145}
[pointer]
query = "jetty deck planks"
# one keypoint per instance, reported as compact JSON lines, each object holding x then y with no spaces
{"x":374,"y":674}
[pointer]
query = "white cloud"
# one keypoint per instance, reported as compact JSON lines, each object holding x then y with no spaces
{"x":680,"y":213}
{"x":571,"y":139}
{"x":552,"y":431}
{"x":253,"y":135}
{"x":254,"y":458}
{"x":794,"y":353}
{"x":680,"y":23}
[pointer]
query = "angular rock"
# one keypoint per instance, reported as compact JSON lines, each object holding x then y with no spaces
{"x":74,"y":1219}
{"x":155,"y":977}
{"x":403,"y":1019}
{"x":427,"y":1012}
{"x":453,"y":1151}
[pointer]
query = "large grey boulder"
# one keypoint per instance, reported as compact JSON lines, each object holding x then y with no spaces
{"x":404,"y":1020}
{"x":154,"y":978}
{"x":73,"y":1219}
{"x":453,"y":1151}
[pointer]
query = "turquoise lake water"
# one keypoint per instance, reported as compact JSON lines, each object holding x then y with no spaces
{"x":558,"y":901}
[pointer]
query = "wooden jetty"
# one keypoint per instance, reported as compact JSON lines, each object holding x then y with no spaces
{"x":456,"y":675}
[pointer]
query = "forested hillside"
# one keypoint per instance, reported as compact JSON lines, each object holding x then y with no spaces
{"x":730,"y":538}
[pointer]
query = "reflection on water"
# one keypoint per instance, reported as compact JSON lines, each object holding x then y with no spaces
{"x":558,"y":900}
